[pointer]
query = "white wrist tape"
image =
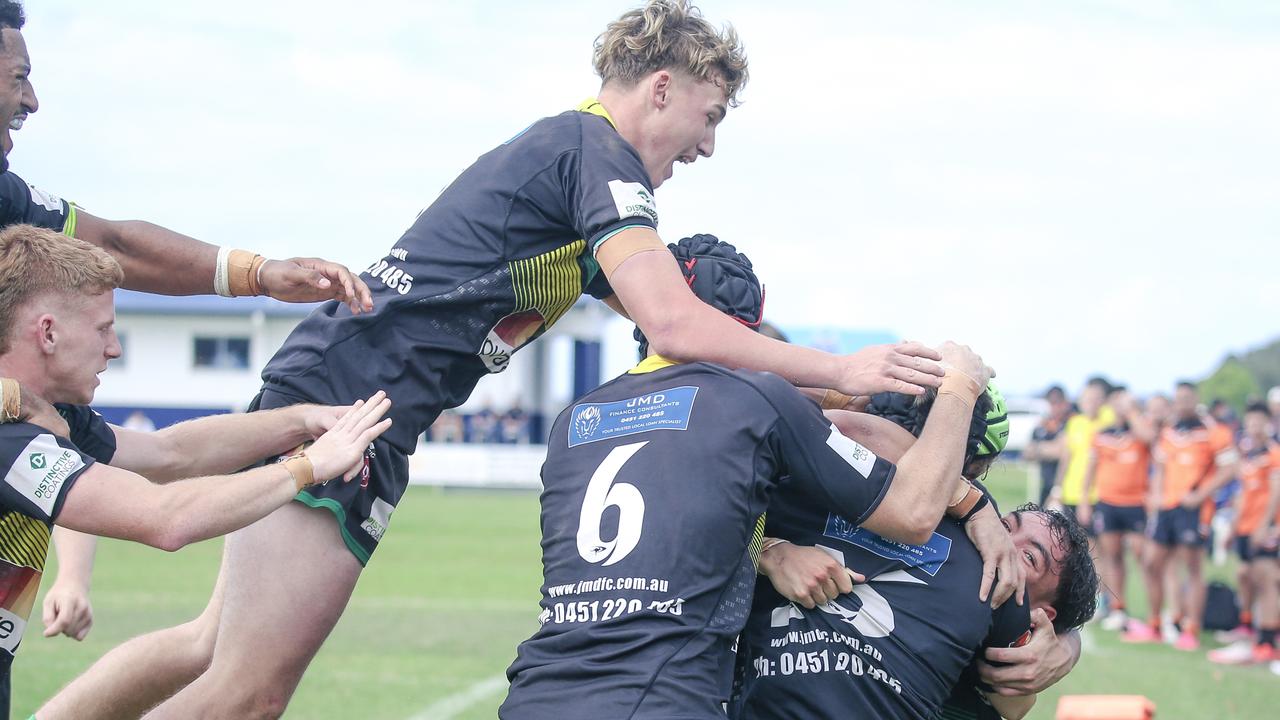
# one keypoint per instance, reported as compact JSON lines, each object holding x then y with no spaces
{"x":221,"y":275}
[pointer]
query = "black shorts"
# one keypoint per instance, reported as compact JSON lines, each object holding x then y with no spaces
{"x":1177,"y":526}
{"x":1248,"y":552}
{"x":1109,"y":518}
{"x":364,"y":505}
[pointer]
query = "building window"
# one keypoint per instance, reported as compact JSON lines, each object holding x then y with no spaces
{"x":222,"y":353}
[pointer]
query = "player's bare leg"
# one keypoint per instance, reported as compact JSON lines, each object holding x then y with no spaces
{"x":139,"y":674}
{"x":287,"y":578}
{"x":1193,"y":557}
{"x":1266,"y":576}
{"x":1245,"y":590}
{"x":1156,"y":566}
{"x":1111,"y":546}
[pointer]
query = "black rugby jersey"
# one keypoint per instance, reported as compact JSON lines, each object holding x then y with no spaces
{"x":21,"y":202}
{"x":653,"y":486}
{"x":894,"y":648}
{"x":498,"y":258}
{"x":39,"y":470}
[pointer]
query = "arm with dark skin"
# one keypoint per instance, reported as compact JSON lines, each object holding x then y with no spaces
{"x":161,"y":261}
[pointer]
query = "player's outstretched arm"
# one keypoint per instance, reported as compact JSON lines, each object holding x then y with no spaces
{"x":219,"y":444}
{"x":162,"y":261}
{"x":67,"y":610}
{"x":117,"y":503}
{"x":653,"y":293}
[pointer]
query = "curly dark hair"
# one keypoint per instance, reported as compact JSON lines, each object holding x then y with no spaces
{"x":11,"y":16}
{"x":1076,"y":599}
{"x":910,"y":413}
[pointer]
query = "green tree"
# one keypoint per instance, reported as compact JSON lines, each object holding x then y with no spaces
{"x":1233,"y":382}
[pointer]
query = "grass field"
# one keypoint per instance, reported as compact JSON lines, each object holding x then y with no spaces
{"x":439,"y":612}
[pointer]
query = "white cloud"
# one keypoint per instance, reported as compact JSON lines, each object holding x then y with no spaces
{"x":1070,"y":189}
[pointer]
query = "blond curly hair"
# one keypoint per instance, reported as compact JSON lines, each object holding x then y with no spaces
{"x":671,"y":34}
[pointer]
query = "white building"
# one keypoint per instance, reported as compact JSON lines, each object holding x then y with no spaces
{"x":196,"y":355}
{"x":190,"y":356}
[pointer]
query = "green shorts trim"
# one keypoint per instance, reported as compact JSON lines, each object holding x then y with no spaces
{"x":340,"y":513}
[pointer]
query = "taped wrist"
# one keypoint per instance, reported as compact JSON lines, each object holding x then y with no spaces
{"x":834,"y":400}
{"x":238,"y":273}
{"x":967,"y":497}
{"x":301,"y":470}
{"x":984,"y":501}
{"x":10,"y":400}
{"x":961,"y":386}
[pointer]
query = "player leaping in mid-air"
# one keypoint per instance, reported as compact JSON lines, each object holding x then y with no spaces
{"x":563,"y":208}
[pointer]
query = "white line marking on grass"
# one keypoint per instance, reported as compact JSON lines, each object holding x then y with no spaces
{"x":454,"y":705}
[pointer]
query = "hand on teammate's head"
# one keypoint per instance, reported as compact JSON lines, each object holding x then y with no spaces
{"x":963,"y":359}
{"x":1003,"y":576}
{"x":906,"y":367}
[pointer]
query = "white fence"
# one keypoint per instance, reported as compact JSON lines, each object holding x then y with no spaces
{"x":477,"y":466}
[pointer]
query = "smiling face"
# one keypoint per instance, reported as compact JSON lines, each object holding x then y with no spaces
{"x":1041,"y":556}
{"x":17,"y":97}
{"x":684,"y":113}
{"x":78,"y":338}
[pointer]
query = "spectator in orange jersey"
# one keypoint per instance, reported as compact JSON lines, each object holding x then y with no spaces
{"x":1119,"y":469}
{"x":1192,"y":460}
{"x":1256,"y":541}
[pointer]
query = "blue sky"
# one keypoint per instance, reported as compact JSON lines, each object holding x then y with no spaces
{"x":1070,"y":188}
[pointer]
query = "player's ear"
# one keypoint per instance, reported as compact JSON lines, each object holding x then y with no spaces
{"x":1050,"y":612}
{"x":660,"y":88}
{"x":46,"y":333}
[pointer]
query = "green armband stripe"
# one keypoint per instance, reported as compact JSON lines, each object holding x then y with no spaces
{"x":69,"y":226}
{"x":600,"y":242}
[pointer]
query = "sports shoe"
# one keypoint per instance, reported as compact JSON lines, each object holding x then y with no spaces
{"x":1140,"y":632}
{"x":1263,"y":654}
{"x":1234,"y":635}
{"x":1187,"y":642}
{"x":1115,"y":621}
{"x":1237,"y":653}
{"x":1275,"y":667}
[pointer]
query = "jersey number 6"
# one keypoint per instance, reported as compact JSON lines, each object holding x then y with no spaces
{"x":601,"y":493}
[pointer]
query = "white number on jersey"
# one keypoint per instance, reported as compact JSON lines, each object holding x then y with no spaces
{"x":602,"y":492}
